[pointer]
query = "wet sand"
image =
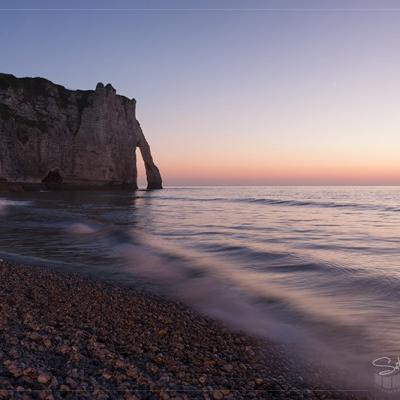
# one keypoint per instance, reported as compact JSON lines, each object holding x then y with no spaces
{"x":63,"y":335}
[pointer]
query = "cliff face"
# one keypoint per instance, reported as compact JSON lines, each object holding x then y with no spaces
{"x":63,"y":138}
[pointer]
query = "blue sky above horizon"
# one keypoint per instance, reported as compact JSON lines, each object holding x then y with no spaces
{"x":232,"y":92}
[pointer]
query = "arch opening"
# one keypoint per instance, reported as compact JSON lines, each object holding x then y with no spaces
{"x":140,"y":170}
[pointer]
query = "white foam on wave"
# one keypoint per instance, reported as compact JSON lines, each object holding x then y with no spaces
{"x":224,"y":293}
{"x":5,"y":204}
{"x":214,"y":293}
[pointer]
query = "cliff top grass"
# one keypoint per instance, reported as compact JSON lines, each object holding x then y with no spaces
{"x":40,"y":87}
{"x":34,"y":88}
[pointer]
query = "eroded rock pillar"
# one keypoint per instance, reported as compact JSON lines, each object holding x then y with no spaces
{"x":153,"y":175}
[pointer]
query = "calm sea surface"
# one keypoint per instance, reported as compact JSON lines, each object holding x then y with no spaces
{"x":291,"y":263}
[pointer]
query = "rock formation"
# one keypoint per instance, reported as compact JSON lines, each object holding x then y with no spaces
{"x":62,"y":138}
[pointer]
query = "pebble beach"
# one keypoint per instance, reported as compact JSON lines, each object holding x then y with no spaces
{"x":63,"y":335}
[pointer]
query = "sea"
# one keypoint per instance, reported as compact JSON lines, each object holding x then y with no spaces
{"x":315,"y":267}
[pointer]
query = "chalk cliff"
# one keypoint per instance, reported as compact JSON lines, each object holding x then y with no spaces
{"x":62,"y":138}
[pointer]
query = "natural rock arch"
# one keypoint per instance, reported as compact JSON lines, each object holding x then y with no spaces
{"x":153,"y":175}
{"x":89,"y":136}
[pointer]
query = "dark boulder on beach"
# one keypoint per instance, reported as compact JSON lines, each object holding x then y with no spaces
{"x":54,"y":137}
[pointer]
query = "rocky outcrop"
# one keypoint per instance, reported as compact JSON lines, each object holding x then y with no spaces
{"x":62,"y":138}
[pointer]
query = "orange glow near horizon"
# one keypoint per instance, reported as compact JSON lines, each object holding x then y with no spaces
{"x":316,"y":145}
{"x":277,"y":172}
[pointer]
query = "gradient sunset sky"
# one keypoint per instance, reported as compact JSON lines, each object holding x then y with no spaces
{"x":232,"y":92}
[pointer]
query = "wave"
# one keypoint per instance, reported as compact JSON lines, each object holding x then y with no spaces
{"x":243,"y":301}
{"x":282,"y":202}
{"x":323,"y":204}
{"x":6,"y":204}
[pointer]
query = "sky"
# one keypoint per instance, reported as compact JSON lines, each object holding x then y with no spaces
{"x":232,"y":92}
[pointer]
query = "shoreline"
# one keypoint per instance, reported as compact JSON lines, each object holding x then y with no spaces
{"x":63,"y":335}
